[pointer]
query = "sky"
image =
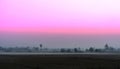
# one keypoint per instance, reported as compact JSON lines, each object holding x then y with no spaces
{"x":60,"y":23}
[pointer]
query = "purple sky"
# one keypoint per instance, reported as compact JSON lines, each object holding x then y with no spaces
{"x":60,"y":19}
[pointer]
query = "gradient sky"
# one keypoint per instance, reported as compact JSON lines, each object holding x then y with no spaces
{"x":65,"y":17}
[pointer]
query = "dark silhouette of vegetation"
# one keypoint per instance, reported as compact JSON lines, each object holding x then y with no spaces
{"x":69,"y":50}
{"x":105,"y":49}
{"x":75,"y":50}
{"x":62,"y":50}
{"x":98,"y":50}
{"x":41,"y":45}
{"x":91,"y":49}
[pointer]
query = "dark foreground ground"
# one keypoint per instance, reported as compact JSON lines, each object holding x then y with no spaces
{"x":67,"y":61}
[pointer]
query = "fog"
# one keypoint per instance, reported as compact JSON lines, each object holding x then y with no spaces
{"x":58,"y":41}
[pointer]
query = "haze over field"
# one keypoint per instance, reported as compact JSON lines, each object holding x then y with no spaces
{"x":63,"y":23}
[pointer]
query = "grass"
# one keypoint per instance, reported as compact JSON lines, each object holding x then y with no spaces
{"x":77,"y":61}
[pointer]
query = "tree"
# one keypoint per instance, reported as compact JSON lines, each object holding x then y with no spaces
{"x":68,"y":50}
{"x":75,"y":50}
{"x":106,"y":46}
{"x":98,"y":50}
{"x":36,"y":48}
{"x":41,"y":45}
{"x":62,"y":50}
{"x":1,"y":48}
{"x":91,"y":49}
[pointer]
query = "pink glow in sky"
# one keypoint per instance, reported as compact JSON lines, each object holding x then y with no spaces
{"x":60,"y":16}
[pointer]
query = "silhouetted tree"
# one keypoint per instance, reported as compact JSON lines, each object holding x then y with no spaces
{"x":41,"y":45}
{"x":75,"y":50}
{"x":62,"y":50}
{"x":98,"y":50}
{"x":111,"y":48}
{"x":106,"y":46}
{"x":1,"y":48}
{"x":36,"y":48}
{"x":91,"y":49}
{"x":68,"y":50}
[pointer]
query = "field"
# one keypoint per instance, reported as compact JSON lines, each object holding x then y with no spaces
{"x":60,"y":61}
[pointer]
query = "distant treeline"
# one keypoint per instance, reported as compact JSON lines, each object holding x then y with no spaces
{"x":106,"y":49}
